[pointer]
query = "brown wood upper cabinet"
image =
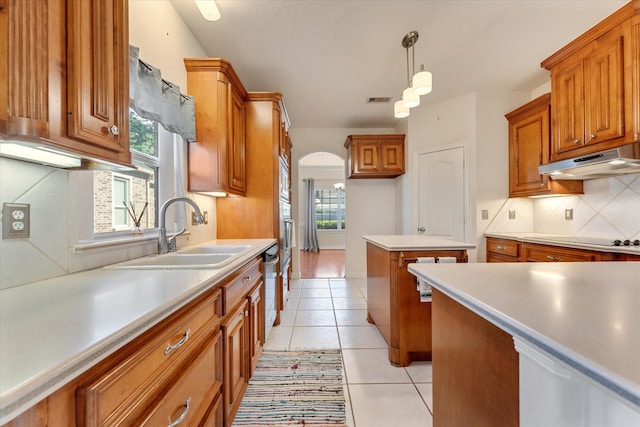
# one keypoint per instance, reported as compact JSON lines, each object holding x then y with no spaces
{"x":375,"y":156}
{"x":217,"y":157}
{"x":595,"y":87}
{"x":529,"y":145}
{"x":58,"y":86}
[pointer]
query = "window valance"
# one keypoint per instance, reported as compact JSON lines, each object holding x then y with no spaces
{"x":155,"y":98}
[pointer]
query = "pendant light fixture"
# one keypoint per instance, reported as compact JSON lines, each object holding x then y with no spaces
{"x":419,"y":83}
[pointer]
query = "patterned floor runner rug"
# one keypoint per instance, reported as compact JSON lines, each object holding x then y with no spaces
{"x":294,"y":388}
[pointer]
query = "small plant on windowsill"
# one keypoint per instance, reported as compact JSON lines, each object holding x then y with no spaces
{"x":137,"y":230}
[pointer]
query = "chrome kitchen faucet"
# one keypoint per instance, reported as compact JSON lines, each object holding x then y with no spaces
{"x":169,"y":245}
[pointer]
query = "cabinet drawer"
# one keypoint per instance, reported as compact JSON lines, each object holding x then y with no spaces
{"x":542,"y":253}
{"x":194,"y":389}
{"x":503,"y":247}
{"x":117,"y":396}
{"x":239,"y":285}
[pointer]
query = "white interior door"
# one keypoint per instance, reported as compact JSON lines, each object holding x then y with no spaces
{"x":441,"y":193}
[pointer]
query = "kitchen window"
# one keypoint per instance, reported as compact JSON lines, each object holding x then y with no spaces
{"x":330,"y":209}
{"x":117,"y":193}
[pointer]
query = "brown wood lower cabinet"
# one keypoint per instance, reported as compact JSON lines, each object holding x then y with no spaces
{"x":502,"y":250}
{"x":236,"y":361}
{"x":194,"y":365}
{"x":475,"y":367}
{"x":533,"y":252}
{"x":507,"y":250}
{"x":393,"y":303}
{"x":189,"y":397}
{"x":256,"y":325}
{"x":123,"y":393}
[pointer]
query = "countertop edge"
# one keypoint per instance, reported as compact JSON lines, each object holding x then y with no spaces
{"x":596,"y":373}
{"x":439,"y":243}
{"x":19,"y":399}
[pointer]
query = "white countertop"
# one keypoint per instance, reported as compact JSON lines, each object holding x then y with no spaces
{"x":54,"y":330}
{"x":585,"y":314}
{"x":604,"y":245}
{"x":416,"y":242}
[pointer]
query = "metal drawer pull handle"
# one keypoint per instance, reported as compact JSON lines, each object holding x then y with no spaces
{"x":113,"y":130}
{"x":246,"y":280}
{"x":185,"y":411}
{"x":576,"y":141}
{"x":554,"y":258}
{"x":501,"y":247}
{"x":179,"y":344}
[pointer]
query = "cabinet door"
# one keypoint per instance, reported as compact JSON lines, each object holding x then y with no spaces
{"x":191,"y":393}
{"x":97,"y":74}
{"x":256,"y":325}
{"x":392,"y":156}
{"x":236,"y":141}
{"x":545,"y":253}
{"x":368,"y":157}
{"x":24,"y":76}
{"x":528,"y":148}
{"x":236,"y":360}
{"x":502,"y":250}
{"x":604,"y":97}
{"x":568,"y":107}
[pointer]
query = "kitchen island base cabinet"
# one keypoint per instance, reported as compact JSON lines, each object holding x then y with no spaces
{"x":393,"y":302}
{"x":475,"y":369}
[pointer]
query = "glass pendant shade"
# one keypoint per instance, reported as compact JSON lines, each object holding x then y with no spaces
{"x":410,"y":99}
{"x":399,"y":110}
{"x":422,"y":82}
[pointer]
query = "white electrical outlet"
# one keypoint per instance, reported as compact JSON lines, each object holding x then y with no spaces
{"x":15,"y":220}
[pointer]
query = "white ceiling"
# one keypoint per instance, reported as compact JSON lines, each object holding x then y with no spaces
{"x":328,"y":56}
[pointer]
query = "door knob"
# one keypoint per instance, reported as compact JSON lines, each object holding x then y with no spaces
{"x":421,"y":229}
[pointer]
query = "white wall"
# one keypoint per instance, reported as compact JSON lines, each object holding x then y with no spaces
{"x":363,"y":196}
{"x":478,"y":120}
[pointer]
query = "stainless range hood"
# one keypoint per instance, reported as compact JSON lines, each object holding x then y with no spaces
{"x":616,"y":161}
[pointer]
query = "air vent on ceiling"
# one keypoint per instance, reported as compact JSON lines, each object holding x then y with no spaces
{"x":378,"y":100}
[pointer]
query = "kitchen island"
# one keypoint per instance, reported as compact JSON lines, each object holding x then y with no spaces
{"x":582,"y":318}
{"x":393,"y":301}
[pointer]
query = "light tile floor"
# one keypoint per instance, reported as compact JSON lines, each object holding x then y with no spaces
{"x":331,"y":313}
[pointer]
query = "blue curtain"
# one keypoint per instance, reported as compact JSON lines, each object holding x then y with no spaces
{"x":311,"y":232}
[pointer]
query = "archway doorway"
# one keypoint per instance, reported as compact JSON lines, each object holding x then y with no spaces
{"x":326,"y":259}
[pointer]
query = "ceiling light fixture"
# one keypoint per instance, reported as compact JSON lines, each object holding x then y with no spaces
{"x":419,"y":83}
{"x":208,"y":9}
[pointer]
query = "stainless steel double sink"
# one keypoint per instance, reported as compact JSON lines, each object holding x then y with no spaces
{"x":196,"y":257}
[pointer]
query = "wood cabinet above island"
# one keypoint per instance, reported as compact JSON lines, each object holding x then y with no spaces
{"x":375,"y":156}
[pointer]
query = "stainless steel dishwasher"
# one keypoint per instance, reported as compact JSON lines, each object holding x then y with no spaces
{"x":270,"y":261}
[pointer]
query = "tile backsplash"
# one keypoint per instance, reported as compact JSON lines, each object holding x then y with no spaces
{"x":609,"y":208}
{"x":55,"y":222}
{"x":44,"y":254}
